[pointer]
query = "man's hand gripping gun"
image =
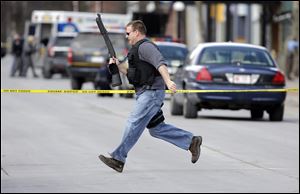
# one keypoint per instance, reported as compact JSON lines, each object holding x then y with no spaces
{"x":113,"y":68}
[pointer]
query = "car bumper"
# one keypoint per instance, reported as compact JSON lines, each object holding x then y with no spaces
{"x":58,"y":65}
{"x":89,"y":73}
{"x":236,"y":100}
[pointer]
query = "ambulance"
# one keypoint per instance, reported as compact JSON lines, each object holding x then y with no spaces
{"x":45,"y":24}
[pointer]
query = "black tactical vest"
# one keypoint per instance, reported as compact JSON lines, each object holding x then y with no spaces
{"x":140,"y":72}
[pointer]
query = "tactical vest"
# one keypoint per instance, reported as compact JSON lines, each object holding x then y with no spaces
{"x":140,"y":72}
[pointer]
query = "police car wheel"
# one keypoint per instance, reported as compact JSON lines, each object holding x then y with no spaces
{"x":176,"y":109}
{"x":189,"y":110}
{"x":76,"y":83}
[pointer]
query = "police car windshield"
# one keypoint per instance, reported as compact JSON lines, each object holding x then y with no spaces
{"x":63,"y":41}
{"x":173,"y":52}
{"x":233,"y":55}
{"x":94,"y":40}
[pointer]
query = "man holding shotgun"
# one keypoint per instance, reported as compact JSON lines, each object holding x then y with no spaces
{"x":149,"y":74}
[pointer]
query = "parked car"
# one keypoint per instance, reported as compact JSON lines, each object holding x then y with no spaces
{"x":174,"y":53}
{"x":230,"y":66}
{"x":88,"y":52}
{"x":56,"y":60}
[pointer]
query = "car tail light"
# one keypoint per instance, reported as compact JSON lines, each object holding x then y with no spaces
{"x":278,"y":79}
{"x":204,"y":75}
{"x":70,"y":56}
{"x":50,"y":52}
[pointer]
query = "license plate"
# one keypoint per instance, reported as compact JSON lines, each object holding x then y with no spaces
{"x":97,"y":59}
{"x":242,"y":79}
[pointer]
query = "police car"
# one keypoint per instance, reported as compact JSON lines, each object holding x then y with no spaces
{"x":230,"y":66}
{"x":174,"y":53}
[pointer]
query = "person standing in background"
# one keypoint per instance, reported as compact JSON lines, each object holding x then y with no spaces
{"x":292,"y":48}
{"x":17,"y":50}
{"x":29,"y":49}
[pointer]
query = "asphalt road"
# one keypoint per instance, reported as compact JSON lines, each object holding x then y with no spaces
{"x":51,"y":143}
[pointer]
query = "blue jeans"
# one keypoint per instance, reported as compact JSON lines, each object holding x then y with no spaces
{"x":147,"y":105}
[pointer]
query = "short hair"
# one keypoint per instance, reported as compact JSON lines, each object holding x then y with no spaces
{"x":138,"y":25}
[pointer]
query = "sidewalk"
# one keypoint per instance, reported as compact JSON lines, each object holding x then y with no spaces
{"x":293,"y":97}
{"x":292,"y":84}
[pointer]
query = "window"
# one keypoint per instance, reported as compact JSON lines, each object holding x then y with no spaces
{"x":234,"y":55}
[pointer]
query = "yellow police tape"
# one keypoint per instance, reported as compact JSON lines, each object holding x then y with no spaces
{"x":132,"y":91}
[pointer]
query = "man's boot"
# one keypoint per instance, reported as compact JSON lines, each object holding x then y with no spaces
{"x":113,"y":163}
{"x":195,"y":148}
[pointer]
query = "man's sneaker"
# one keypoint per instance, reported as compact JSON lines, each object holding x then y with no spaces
{"x":113,"y":163}
{"x":195,"y":148}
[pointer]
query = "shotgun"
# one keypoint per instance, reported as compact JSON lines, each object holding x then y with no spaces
{"x":113,"y":68}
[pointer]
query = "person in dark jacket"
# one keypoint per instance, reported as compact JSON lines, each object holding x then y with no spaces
{"x":17,"y":50}
{"x":29,"y":49}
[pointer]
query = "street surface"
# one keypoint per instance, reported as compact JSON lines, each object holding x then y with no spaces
{"x":51,"y":143}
